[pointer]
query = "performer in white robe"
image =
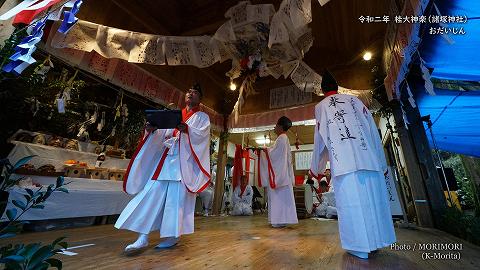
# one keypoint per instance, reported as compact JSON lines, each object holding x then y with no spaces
{"x":206,"y":196}
{"x":166,"y":171}
{"x":242,"y":198}
{"x":276,"y":173}
{"x":346,"y":135}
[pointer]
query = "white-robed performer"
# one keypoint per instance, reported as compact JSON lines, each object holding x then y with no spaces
{"x":276,"y":173}
{"x":206,"y":196}
{"x":346,"y":135}
{"x":167,"y":169}
{"x":242,"y":198}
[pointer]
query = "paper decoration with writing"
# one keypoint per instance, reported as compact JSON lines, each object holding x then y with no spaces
{"x":300,"y":13}
{"x":151,"y":88}
{"x":225,"y":49}
{"x":288,"y":96}
{"x":225,"y":32}
{"x":238,"y":14}
{"x":303,"y":160}
{"x":82,"y":36}
{"x":275,"y":71}
{"x":203,"y":52}
{"x":147,"y":49}
{"x":96,"y":64}
{"x":178,"y":51}
{"x":113,"y":43}
{"x":278,"y":31}
{"x":284,"y":13}
{"x":260,"y":13}
{"x":282,"y":69}
{"x":304,"y":41}
{"x":289,"y":67}
{"x":395,"y":206}
{"x":281,"y":53}
{"x":251,"y":38}
{"x":125,"y":75}
{"x":307,"y":79}
{"x":141,"y":82}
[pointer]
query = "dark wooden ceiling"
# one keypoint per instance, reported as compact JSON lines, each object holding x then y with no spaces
{"x":340,"y":40}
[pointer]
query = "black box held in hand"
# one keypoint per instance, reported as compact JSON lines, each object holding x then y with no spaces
{"x":164,"y":119}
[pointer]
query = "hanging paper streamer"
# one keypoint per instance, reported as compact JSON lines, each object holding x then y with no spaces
{"x":323,"y":2}
{"x":61,"y":105}
{"x":101,"y":124}
{"x":44,"y":68}
{"x":39,"y":10}
{"x":17,"y":9}
{"x":410,"y":97}
{"x":69,"y":18}
{"x":22,"y":56}
{"x":404,"y":115}
{"x":445,"y":36}
{"x":426,"y":76}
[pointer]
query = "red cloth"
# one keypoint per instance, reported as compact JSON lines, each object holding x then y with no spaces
{"x":329,"y":93}
{"x":237,"y":165}
{"x":299,"y":179}
{"x":27,"y":16}
{"x":185,"y":116}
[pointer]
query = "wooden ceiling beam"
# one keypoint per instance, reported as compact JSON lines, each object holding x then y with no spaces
{"x":205,"y":29}
{"x":147,"y":21}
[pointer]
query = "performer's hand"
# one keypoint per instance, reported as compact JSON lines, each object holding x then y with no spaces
{"x":149,"y":127}
{"x":182,"y":127}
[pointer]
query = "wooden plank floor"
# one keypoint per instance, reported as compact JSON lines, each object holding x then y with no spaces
{"x":249,"y":243}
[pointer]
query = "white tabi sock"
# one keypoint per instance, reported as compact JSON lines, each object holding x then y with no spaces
{"x":168,"y":242}
{"x":359,"y":254}
{"x":142,"y":241}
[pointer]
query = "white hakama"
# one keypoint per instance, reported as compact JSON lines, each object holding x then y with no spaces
{"x":164,"y":206}
{"x":347,"y":136}
{"x":276,"y":173}
{"x":242,"y":204}
{"x":281,"y":206}
{"x":166,"y":171}
{"x":363,"y":211}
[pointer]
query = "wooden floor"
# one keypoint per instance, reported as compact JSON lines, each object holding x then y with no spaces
{"x":249,"y":243}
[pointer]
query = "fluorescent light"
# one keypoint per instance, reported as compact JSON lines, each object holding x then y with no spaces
{"x":262,"y":141}
{"x":367,"y":56}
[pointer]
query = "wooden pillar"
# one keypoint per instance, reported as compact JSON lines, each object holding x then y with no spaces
{"x":424,"y":154}
{"x":221,"y":164}
{"x":219,"y":182}
{"x":413,"y":172}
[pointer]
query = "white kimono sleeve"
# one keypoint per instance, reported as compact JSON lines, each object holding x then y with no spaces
{"x":320,"y":151}
{"x":195,"y":153}
{"x":144,"y":161}
{"x":281,"y":163}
